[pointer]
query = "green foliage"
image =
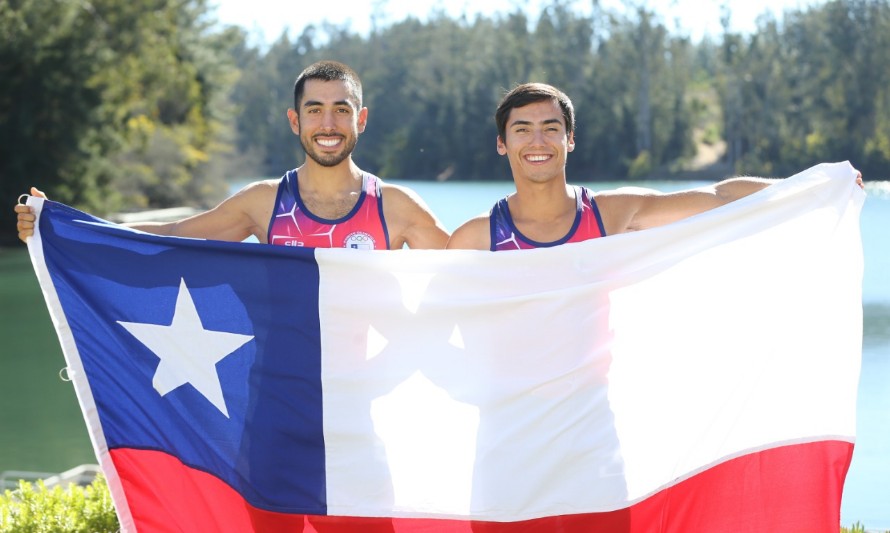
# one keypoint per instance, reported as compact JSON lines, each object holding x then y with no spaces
{"x":116,"y":105}
{"x":33,"y":508}
{"x":112,"y":104}
{"x":641,"y":166}
{"x":813,"y":89}
{"x":711,"y":135}
{"x":856,"y":527}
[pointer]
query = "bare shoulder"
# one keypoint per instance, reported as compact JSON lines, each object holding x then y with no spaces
{"x":402,"y":197}
{"x":256,"y":190}
{"x":256,"y":199}
{"x":410,"y":220}
{"x":245,"y":213}
{"x":474,"y":234}
{"x":618,"y":207}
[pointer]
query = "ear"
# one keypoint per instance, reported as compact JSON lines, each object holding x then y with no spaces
{"x":502,"y":146}
{"x":362,"y":119}
{"x":294,"y":119}
{"x":571,"y":142}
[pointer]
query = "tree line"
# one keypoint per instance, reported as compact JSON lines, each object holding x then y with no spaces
{"x":114,"y":105}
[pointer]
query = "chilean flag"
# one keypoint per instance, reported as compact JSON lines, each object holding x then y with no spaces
{"x":700,"y":376}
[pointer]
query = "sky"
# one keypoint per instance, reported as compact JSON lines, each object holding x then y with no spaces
{"x":266,"y":19}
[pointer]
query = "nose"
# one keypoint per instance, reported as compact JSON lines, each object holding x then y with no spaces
{"x":328,"y":121}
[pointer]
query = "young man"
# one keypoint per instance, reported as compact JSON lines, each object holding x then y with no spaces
{"x":328,"y":202}
{"x":536,"y":125}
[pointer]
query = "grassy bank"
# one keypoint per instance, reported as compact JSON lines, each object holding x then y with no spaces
{"x":41,"y":427}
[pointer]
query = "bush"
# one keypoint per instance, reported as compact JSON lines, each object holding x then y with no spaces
{"x":857,"y":527}
{"x":34,"y":508}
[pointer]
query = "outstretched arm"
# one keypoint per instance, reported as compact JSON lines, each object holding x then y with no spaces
{"x":243,"y":214}
{"x":631,"y":209}
{"x":246,"y":213}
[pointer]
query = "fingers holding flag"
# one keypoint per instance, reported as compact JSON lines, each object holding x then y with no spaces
{"x":25,"y":217}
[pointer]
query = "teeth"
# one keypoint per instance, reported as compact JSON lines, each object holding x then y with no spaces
{"x":328,"y":142}
{"x":536,"y":158}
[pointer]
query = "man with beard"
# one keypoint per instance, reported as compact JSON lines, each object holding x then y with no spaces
{"x":328,"y":202}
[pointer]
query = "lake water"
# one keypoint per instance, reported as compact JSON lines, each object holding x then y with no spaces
{"x":41,"y":428}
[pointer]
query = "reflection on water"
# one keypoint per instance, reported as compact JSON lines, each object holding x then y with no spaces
{"x":867,"y":488}
{"x":876,"y":324}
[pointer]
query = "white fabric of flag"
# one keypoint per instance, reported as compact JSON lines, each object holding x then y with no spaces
{"x":586,"y":377}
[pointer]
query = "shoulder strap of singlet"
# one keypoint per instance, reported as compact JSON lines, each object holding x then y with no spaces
{"x":502,"y":227}
{"x":499,"y":221}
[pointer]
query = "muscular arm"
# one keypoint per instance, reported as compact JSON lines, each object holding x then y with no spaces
{"x":244,"y":214}
{"x":409,"y":220}
{"x":632,"y":209}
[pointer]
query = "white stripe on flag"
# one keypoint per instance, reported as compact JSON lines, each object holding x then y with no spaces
{"x":585,"y":377}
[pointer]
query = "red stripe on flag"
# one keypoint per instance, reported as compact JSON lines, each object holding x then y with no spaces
{"x":785,"y":489}
{"x":795,"y":488}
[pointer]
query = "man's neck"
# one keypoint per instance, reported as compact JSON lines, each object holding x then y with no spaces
{"x":329,"y":192}
{"x":338,"y":180}
{"x":542,"y":201}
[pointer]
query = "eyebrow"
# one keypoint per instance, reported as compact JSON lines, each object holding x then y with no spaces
{"x":530,"y":123}
{"x":310,"y":103}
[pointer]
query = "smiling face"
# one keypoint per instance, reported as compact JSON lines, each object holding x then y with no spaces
{"x":327,"y":122}
{"x":536,"y":142}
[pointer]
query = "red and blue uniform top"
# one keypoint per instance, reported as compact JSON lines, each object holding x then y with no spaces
{"x":363,"y":228}
{"x":588,"y":225}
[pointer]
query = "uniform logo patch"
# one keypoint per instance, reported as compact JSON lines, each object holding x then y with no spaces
{"x":285,"y":240}
{"x":359,"y":240}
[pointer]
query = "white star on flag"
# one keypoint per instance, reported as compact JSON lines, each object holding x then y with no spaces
{"x":188,"y":352}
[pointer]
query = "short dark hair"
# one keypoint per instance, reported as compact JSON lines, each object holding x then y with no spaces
{"x":329,"y":71}
{"x":530,"y":93}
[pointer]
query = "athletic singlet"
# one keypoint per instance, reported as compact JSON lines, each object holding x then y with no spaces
{"x":588,"y":225}
{"x":363,"y":228}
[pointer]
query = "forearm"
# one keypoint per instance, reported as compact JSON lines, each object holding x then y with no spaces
{"x":735,"y":188}
{"x":196,"y":228}
{"x":637,"y":209}
{"x":156,"y":228}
